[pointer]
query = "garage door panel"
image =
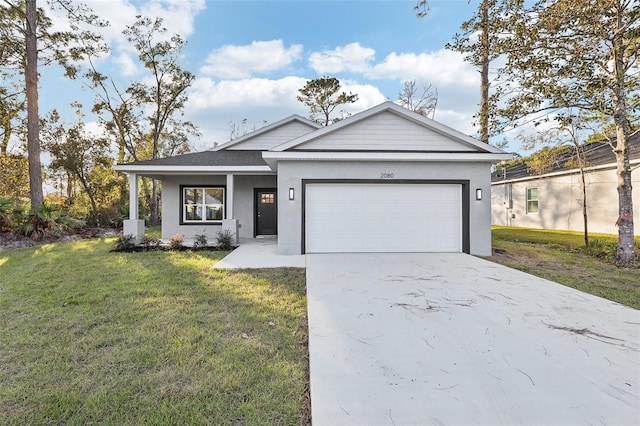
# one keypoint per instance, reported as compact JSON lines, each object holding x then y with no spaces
{"x":383,"y":217}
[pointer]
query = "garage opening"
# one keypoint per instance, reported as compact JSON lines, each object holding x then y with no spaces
{"x":383,"y":217}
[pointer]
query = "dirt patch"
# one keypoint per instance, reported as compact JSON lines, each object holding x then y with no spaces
{"x":10,"y":241}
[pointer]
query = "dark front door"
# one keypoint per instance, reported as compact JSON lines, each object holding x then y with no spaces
{"x":266,"y":212}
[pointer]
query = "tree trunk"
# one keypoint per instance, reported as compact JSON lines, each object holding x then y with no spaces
{"x":585,"y":217}
{"x":31,"y":81}
{"x":484,"y":72}
{"x":4,"y":145}
{"x":625,"y":253}
{"x":626,"y":244}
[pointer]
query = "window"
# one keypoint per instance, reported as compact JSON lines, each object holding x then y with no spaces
{"x":532,"y":200}
{"x":202,"y":204}
{"x":267,"y":198}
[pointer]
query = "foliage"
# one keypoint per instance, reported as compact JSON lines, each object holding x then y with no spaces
{"x":148,"y":338}
{"x":7,"y":206}
{"x":124,"y":243}
{"x":77,"y":153}
{"x":602,"y":249}
{"x":322,"y":97}
{"x":579,"y":55}
{"x":46,"y":219}
{"x":422,"y":101}
{"x":544,"y":160}
{"x":176,"y":242}
{"x":27,"y":39}
{"x":148,"y":242}
{"x":144,"y":119}
{"x":200,"y":241}
{"x":14,"y":177}
{"x":224,"y":240}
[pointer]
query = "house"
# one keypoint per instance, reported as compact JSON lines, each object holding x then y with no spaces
{"x":383,"y":180}
{"x":553,"y":199}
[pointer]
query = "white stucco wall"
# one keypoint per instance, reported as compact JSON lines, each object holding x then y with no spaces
{"x":291,"y":174}
{"x":560,"y":203}
{"x":242,"y":204}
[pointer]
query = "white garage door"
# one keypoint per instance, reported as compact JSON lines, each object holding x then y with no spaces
{"x":383,"y":218}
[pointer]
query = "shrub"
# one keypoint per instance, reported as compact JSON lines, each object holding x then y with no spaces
{"x":176,"y":242}
{"x":224,"y":240}
{"x":148,"y":243}
{"x":46,"y":219}
{"x":124,"y":243}
{"x":200,"y":241}
{"x":601,"y":249}
{"x":6,"y":213}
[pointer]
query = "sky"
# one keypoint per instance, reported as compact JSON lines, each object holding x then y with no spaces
{"x":251,"y":57}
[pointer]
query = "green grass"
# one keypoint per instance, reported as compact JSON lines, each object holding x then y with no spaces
{"x":90,"y":336}
{"x":561,"y":257}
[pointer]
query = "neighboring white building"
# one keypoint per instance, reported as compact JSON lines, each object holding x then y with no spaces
{"x":384,"y":180}
{"x":554,"y":200}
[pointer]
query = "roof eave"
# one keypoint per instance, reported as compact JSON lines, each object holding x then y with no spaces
{"x":272,"y":158}
{"x":609,"y":166}
{"x":174,"y":170}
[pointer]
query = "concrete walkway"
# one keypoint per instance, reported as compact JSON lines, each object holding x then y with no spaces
{"x":450,"y":339}
{"x":259,"y":252}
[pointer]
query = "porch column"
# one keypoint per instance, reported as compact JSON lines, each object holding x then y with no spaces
{"x":133,"y":196}
{"x":230,"y":223}
{"x":133,"y":226}
{"x":230,"y":193}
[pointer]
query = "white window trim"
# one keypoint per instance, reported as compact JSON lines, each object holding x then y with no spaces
{"x":183,"y":205}
{"x":527,"y":200}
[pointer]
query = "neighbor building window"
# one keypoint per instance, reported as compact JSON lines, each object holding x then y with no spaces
{"x":203,"y":204}
{"x":532,"y":200}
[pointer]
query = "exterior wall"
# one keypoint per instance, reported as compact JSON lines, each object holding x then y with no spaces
{"x":291,"y":174}
{"x":274,"y":137}
{"x":242,"y":204}
{"x":560,"y":202}
{"x":385,"y":131}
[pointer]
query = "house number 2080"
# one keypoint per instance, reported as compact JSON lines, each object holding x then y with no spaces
{"x":387,"y":175}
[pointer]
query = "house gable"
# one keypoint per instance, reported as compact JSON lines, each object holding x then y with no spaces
{"x":270,"y":136}
{"x":385,"y":131}
{"x":387,"y":127}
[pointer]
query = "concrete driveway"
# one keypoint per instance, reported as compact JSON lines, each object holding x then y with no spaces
{"x":450,"y":339}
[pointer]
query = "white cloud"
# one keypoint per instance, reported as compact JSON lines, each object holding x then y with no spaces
{"x":352,"y":57}
{"x":127,"y":65}
{"x":368,"y":96}
{"x":442,"y":67}
{"x":238,"y":62}
{"x":214,"y":105}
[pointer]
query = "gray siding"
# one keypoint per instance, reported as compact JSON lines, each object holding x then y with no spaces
{"x":274,"y":137}
{"x":560,"y":203}
{"x":385,"y":132}
{"x":291,"y":174}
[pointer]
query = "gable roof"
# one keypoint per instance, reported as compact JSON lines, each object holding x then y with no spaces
{"x":464,"y":142}
{"x":596,"y":154}
{"x":272,"y":129}
{"x":253,"y":157}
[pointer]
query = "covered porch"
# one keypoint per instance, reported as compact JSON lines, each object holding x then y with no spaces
{"x":205,"y":193}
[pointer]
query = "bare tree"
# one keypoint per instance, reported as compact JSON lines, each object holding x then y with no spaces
{"x":422,"y":100}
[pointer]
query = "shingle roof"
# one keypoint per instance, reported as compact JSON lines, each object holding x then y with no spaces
{"x":208,"y":158}
{"x":596,"y":154}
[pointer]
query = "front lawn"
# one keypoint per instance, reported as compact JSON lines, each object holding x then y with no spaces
{"x":560,"y":256}
{"x":90,"y":336}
